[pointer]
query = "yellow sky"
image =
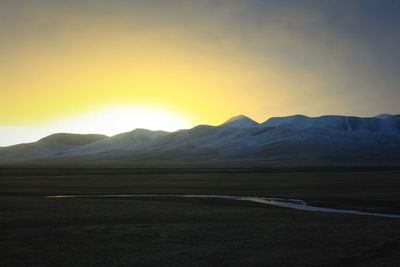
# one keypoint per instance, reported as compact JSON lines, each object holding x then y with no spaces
{"x":203,"y":60}
{"x":118,"y":69}
{"x":68,"y":62}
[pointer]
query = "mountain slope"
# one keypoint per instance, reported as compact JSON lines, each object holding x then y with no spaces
{"x":47,"y":146}
{"x":240,"y":121}
{"x":382,"y":123}
{"x":128,"y":141}
{"x":293,"y":140}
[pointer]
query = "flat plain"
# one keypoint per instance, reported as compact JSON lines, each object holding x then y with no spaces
{"x":40,"y":231}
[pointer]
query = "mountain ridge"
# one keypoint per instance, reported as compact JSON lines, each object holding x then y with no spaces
{"x":291,"y":140}
{"x":240,"y":121}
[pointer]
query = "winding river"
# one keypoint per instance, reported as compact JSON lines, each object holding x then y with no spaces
{"x":296,"y":204}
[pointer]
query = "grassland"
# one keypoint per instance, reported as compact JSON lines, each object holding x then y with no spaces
{"x":37,"y":231}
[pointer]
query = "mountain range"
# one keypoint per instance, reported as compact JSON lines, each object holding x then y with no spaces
{"x":279,"y":141}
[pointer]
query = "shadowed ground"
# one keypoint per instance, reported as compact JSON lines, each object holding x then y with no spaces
{"x":36,"y":231}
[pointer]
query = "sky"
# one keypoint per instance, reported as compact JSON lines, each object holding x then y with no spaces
{"x":109,"y":66}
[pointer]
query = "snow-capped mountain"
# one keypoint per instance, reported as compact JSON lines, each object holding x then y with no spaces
{"x":240,"y":141}
{"x":381,"y":123}
{"x":240,"y":121}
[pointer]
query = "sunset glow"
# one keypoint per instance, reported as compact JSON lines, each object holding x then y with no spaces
{"x":203,"y":60}
{"x":109,"y":122}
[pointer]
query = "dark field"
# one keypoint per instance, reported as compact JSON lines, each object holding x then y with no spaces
{"x":37,"y":231}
